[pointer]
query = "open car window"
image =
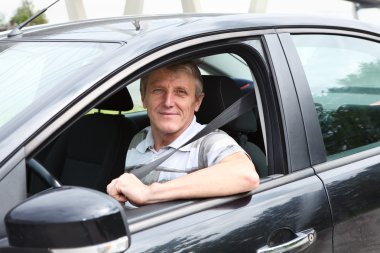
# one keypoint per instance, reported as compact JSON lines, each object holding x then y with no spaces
{"x":93,"y":150}
{"x":225,"y":64}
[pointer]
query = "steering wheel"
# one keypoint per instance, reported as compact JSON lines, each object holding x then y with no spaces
{"x":43,"y":173}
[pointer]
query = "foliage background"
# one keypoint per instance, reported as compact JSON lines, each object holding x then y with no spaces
{"x":25,"y":11}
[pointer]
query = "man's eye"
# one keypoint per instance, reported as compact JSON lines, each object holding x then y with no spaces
{"x":181,"y":92}
{"x":157,"y":91}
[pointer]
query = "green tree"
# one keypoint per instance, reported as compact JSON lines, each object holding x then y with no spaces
{"x":25,"y":11}
{"x":368,"y":74}
{"x":2,"y":20}
{"x":3,"y":26}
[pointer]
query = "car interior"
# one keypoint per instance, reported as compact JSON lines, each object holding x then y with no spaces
{"x":92,"y":151}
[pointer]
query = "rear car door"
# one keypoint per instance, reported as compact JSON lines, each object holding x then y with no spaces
{"x":342,"y":71}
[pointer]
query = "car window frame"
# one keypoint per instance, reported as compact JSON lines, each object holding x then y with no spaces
{"x":289,"y":111}
{"x":269,"y":98}
{"x":148,"y":216}
{"x":276,"y":159}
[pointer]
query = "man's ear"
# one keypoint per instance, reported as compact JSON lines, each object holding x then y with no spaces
{"x":143,"y":101}
{"x":199,"y":102}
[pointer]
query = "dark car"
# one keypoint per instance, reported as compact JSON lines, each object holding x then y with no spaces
{"x":70,"y":104}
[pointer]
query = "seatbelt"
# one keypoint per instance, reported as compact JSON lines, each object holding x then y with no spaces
{"x":238,"y":108}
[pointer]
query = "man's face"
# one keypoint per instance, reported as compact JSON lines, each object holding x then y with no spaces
{"x":170,"y":101}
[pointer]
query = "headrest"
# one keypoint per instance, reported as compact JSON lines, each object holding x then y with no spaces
{"x":220,"y":93}
{"x":119,"y":101}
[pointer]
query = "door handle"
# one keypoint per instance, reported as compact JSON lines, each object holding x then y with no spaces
{"x":303,"y":240}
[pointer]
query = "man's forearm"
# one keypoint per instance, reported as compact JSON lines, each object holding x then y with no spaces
{"x":233,"y":175}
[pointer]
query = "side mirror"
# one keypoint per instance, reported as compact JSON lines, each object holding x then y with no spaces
{"x":69,"y":219}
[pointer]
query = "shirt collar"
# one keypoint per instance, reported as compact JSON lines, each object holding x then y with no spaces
{"x":193,"y":129}
{"x":147,"y":142}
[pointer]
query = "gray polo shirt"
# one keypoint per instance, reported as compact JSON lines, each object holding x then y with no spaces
{"x":204,"y":152}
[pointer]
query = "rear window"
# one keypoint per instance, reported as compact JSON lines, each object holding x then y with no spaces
{"x":344,"y":78}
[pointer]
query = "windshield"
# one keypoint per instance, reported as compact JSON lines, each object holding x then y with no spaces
{"x":30,"y":71}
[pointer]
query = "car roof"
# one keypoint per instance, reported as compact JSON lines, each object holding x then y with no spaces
{"x":170,"y":27}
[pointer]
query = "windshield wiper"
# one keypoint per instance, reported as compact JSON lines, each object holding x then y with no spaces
{"x":17,"y":30}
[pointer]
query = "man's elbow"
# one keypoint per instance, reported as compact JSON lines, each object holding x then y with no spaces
{"x":244,"y":172}
{"x":252,"y":181}
{"x":251,"y":178}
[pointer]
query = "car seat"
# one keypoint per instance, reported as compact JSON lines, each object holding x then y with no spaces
{"x":92,"y":151}
{"x":220,"y":93}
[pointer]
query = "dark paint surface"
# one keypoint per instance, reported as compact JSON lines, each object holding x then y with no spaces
{"x":354,"y":192}
{"x":245,"y":225}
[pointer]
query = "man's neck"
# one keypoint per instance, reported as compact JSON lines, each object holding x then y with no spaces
{"x":161,"y":140}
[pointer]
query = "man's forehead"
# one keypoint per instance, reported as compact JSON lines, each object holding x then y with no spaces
{"x":165,"y":75}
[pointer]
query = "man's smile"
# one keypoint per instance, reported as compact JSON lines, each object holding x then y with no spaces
{"x":168,"y":113}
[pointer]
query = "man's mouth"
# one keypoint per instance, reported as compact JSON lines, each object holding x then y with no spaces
{"x":168,"y":113}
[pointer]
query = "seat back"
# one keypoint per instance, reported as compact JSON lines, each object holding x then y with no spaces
{"x":220,"y":93}
{"x":92,"y":152}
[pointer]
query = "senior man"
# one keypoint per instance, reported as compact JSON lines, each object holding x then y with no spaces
{"x":214,"y":165}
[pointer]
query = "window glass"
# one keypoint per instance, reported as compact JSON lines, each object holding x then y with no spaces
{"x":134,"y":90}
{"x":344,"y":77}
{"x":30,"y":71}
{"x":231,"y":65}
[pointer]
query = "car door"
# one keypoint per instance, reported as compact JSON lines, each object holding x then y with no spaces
{"x":289,"y":211}
{"x":342,"y":72}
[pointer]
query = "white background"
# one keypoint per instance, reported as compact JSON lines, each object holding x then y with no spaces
{"x":107,"y":8}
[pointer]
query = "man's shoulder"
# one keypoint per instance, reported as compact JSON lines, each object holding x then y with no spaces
{"x":214,"y":147}
{"x":216,"y":137}
{"x":142,"y":134}
{"x":216,"y":134}
{"x":139,"y":137}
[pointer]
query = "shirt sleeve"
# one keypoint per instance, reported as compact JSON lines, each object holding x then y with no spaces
{"x":217,"y":146}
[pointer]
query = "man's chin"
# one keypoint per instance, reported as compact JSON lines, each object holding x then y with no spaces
{"x":169,"y":130}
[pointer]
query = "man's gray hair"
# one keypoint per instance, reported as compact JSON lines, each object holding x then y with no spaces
{"x":187,"y":67}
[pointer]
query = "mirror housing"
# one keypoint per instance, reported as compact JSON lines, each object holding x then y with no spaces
{"x":69,"y":218}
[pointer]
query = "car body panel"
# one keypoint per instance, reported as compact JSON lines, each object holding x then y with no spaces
{"x":245,"y":224}
{"x":353,"y":189}
{"x":123,"y":28}
{"x":288,"y":102}
{"x":309,"y":114}
{"x":12,"y":186}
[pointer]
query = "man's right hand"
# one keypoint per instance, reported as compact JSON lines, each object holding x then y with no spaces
{"x":128,"y":187}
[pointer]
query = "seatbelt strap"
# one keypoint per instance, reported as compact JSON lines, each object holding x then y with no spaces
{"x":238,"y":108}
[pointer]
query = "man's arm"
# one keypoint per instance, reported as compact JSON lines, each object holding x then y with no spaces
{"x":234,"y":174}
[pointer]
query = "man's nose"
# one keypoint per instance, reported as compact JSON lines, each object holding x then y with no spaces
{"x":169,"y":99}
